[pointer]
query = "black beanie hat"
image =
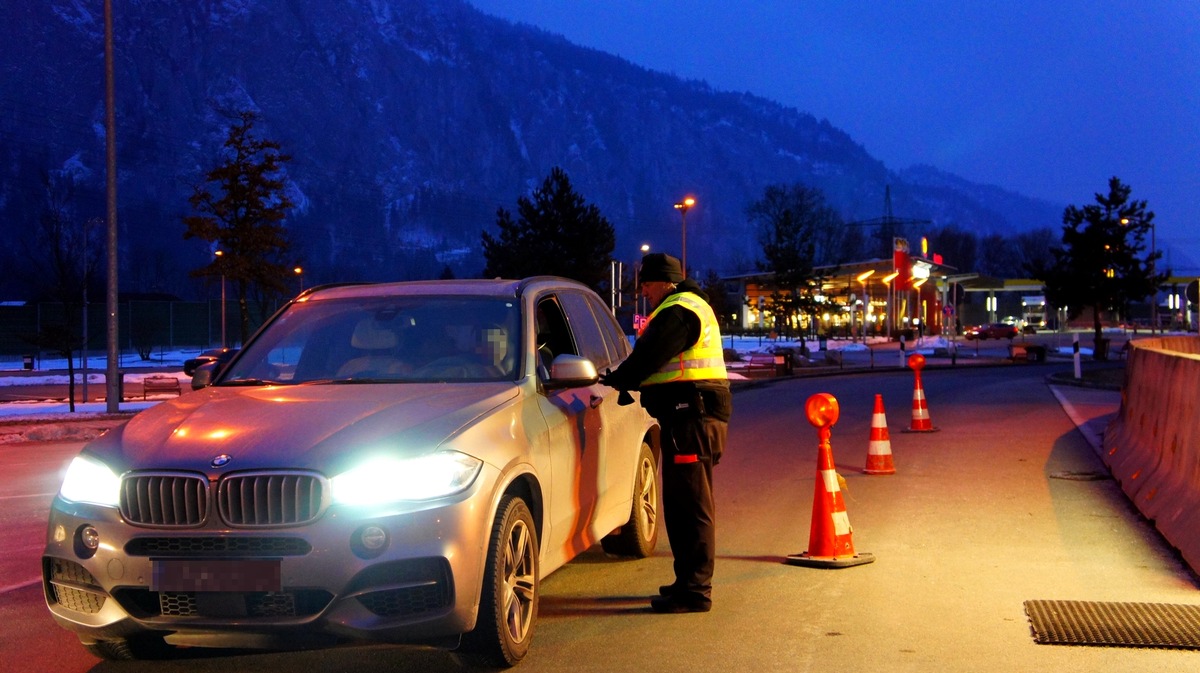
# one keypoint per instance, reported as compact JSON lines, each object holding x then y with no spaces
{"x":661,"y":267}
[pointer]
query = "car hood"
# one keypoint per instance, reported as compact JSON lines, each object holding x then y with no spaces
{"x":319,"y":427}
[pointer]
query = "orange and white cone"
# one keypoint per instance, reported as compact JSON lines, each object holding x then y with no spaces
{"x":920,"y":409}
{"x":830,"y":540}
{"x":879,"y":449}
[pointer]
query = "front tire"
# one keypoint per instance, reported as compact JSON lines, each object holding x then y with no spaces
{"x":638,"y":537}
{"x":509,"y":602}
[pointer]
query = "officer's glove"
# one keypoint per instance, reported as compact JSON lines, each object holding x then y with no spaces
{"x":624,"y":398}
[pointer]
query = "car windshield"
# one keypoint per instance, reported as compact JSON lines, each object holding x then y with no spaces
{"x":384,"y":340}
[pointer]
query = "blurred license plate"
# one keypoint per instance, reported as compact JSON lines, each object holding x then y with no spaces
{"x":217,"y":575}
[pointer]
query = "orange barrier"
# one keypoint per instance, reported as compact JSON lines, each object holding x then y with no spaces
{"x":920,"y":409}
{"x":1152,"y":446}
{"x":830,"y":538}
{"x":879,"y":446}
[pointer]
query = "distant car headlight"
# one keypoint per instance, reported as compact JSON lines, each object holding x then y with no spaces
{"x":89,"y":480}
{"x":385,"y":480}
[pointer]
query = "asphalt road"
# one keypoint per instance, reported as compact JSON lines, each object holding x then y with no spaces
{"x":1007,"y":502}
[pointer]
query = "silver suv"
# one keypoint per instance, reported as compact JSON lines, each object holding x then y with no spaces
{"x":395,"y":462}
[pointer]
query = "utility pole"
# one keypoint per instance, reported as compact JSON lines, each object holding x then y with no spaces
{"x":111,"y":372}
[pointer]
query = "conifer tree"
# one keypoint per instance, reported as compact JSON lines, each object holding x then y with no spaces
{"x":556,"y":233}
{"x":1101,"y":264}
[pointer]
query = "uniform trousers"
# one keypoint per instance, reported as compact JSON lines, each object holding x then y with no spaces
{"x":692,"y":445}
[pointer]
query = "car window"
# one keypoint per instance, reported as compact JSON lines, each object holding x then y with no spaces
{"x":588,"y":334}
{"x":388,"y":339}
{"x":553,"y":335}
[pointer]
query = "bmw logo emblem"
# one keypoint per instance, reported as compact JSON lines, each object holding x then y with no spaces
{"x":221,"y":460}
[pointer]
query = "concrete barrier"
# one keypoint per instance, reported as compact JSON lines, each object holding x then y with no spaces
{"x":1152,"y":446}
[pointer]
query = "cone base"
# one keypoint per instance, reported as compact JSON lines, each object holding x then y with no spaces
{"x":880,"y":471}
{"x":804,"y":559}
{"x":921,"y":430}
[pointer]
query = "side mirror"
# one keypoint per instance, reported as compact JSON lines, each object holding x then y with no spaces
{"x":571,"y":371}
{"x":204,"y":375}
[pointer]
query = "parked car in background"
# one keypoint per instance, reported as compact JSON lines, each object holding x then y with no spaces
{"x":996,"y":330}
{"x":398,"y":462}
{"x":221,"y":356}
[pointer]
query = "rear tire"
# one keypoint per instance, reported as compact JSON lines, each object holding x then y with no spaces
{"x":638,"y":537}
{"x":509,"y":602}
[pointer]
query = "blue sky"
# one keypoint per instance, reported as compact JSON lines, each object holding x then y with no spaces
{"x":1045,"y":98}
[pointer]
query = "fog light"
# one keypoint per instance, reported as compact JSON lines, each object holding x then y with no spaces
{"x":373,"y":538}
{"x":369,"y":541}
{"x":87,"y":541}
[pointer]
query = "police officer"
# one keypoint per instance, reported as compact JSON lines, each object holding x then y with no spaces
{"x":678,"y":365}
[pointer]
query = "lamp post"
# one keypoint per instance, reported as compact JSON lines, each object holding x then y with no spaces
{"x":1154,"y":301}
{"x":221,"y":253}
{"x":299,"y":271}
{"x":887,"y":280}
{"x":862,"y":278}
{"x":639,"y":301}
{"x":683,"y":206}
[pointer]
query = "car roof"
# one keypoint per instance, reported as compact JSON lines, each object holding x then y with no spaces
{"x":496,"y":287}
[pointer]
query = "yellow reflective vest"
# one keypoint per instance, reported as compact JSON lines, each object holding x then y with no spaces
{"x":704,"y":360}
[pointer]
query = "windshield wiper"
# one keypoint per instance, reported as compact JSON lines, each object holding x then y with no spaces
{"x":245,"y":382}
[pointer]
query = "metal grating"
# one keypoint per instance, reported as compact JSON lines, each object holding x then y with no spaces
{"x":1115,"y":624}
{"x":270,"y":499}
{"x":166,"y":500}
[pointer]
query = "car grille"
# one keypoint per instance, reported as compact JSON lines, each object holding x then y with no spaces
{"x":168,"y":500}
{"x":404,"y":588}
{"x":270,"y":499}
{"x":259,"y":499}
{"x":73,"y":587}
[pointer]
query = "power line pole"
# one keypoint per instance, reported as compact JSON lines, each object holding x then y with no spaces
{"x":111,"y":372}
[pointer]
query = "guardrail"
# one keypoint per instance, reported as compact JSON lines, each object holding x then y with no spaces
{"x":1152,"y":446}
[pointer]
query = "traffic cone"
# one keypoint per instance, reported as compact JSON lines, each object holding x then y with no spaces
{"x":879,"y":449}
{"x":920,"y":410}
{"x":830,"y":539}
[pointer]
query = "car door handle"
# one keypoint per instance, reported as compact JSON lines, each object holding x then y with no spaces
{"x":596,"y":401}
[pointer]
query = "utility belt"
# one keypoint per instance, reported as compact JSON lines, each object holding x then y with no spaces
{"x":666,"y":400}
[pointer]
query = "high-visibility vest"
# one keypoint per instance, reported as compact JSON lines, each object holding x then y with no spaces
{"x":704,"y":359}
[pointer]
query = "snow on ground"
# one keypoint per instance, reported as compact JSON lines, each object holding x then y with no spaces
{"x":52,"y":371}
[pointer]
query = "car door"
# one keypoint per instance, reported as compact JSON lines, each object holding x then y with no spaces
{"x":600,"y":340}
{"x":573,"y":425}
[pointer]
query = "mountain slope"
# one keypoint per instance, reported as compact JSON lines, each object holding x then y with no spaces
{"x":409,"y":123}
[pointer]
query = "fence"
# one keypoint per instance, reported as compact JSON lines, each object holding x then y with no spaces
{"x":143,"y":325}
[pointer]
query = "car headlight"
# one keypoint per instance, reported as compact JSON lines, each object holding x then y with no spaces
{"x":89,"y":480}
{"x":385,"y":480}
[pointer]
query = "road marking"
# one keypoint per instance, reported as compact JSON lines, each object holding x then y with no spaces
{"x":31,"y":495}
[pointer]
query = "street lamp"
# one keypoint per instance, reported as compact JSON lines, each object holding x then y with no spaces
{"x":299,"y":271}
{"x":1154,"y":301}
{"x":683,"y":206}
{"x":862,"y":278}
{"x":887,"y":280}
{"x":637,"y":289}
{"x":221,"y":253}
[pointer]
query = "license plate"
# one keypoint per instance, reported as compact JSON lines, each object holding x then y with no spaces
{"x":239,"y":575}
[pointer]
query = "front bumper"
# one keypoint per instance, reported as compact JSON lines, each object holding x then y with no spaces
{"x":422,"y":586}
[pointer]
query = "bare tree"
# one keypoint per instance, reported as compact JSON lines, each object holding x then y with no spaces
{"x":244,"y":218}
{"x":60,"y":260}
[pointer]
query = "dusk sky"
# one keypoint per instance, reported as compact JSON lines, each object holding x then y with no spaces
{"x":1045,"y":98}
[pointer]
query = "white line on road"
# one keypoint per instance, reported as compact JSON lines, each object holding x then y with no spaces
{"x":30,"y":495}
